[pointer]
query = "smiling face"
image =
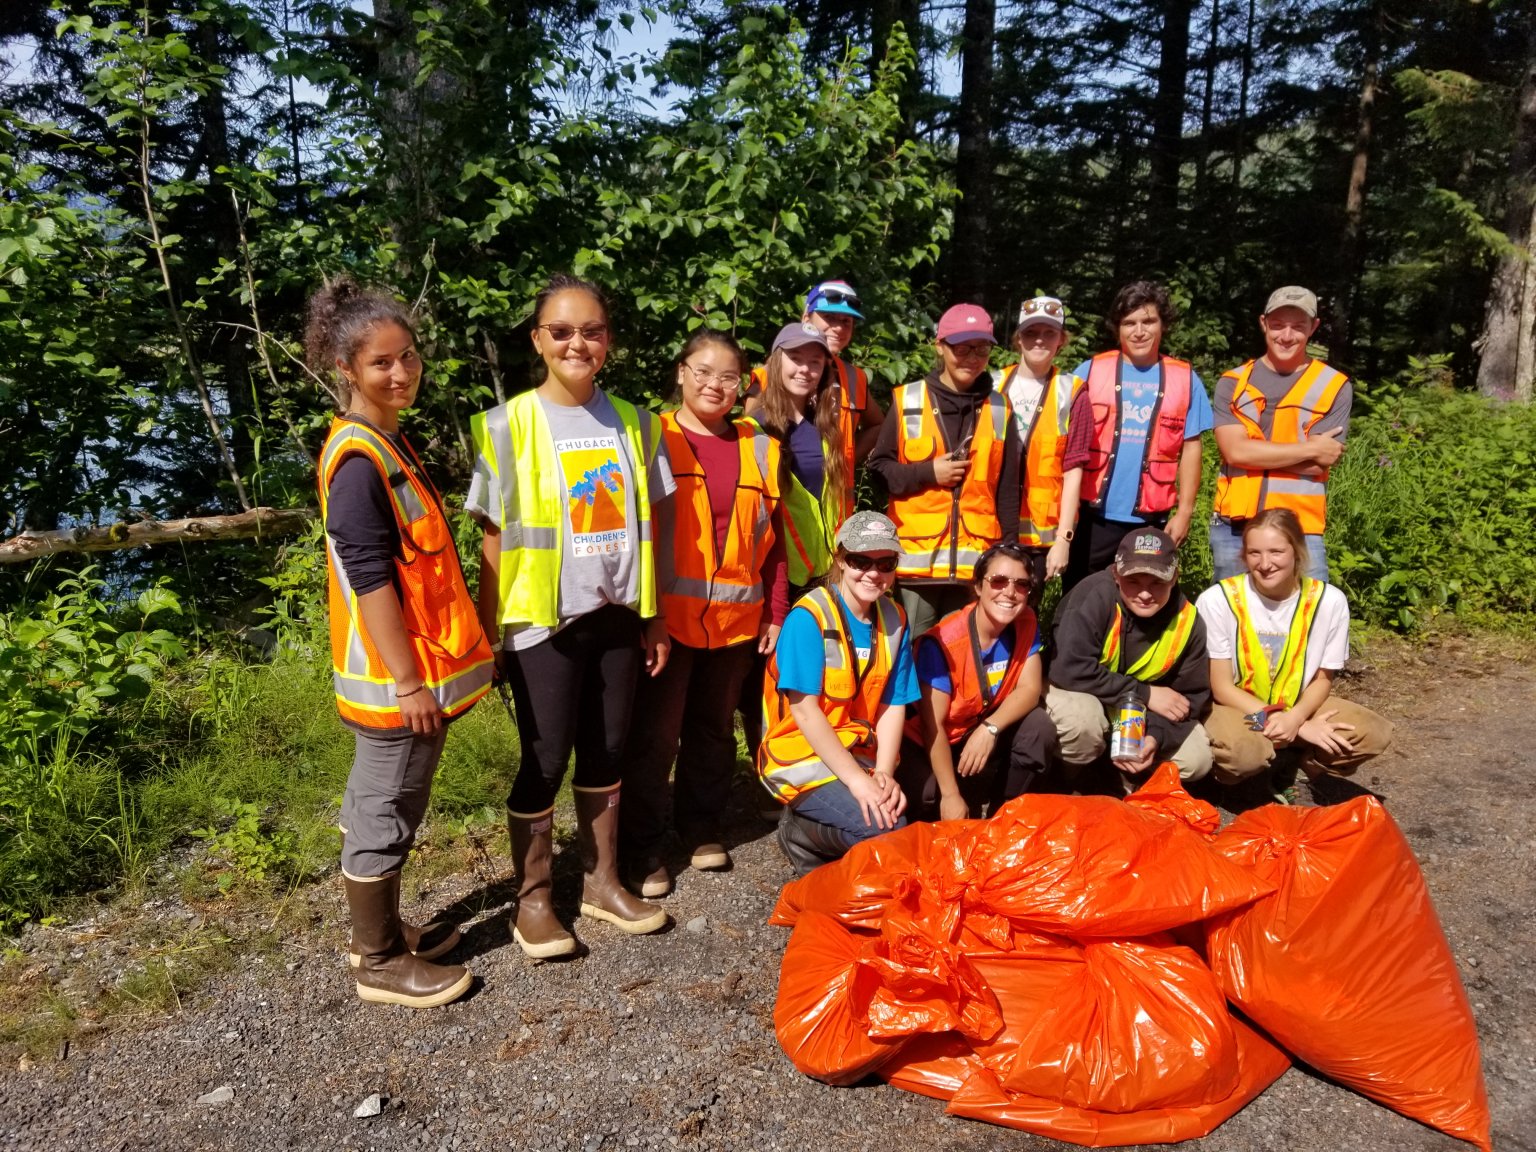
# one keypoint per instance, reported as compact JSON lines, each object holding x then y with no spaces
{"x":708,"y":378}
{"x":801,"y":370}
{"x":572,"y":363}
{"x":1002,"y":605}
{"x":1142,"y":593}
{"x":1286,"y":332}
{"x":962,"y":364}
{"x":1039,"y":344}
{"x":1271,"y":561}
{"x":1141,"y":333}
{"x":869,"y":585}
{"x":836,"y":326}
{"x":384,"y":374}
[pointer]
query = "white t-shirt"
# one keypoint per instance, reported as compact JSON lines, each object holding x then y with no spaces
{"x":1328,"y":646}
{"x":1024,"y":392}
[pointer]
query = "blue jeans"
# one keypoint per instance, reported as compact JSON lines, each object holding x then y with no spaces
{"x":1227,"y":551}
{"x":833,"y":805}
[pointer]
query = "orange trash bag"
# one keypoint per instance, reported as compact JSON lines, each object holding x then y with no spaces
{"x":1346,"y":965}
{"x":857,"y":887}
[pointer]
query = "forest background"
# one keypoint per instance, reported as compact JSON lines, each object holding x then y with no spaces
{"x":175,"y":178}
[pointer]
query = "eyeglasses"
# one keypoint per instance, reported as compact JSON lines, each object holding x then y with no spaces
{"x":731,"y":380}
{"x":970,"y":349}
{"x":998,"y":583}
{"x":834,"y":296}
{"x":859,"y":562}
{"x":563,"y":333}
{"x":1042,"y":305}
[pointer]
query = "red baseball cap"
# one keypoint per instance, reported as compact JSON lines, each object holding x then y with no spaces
{"x":964,"y":323}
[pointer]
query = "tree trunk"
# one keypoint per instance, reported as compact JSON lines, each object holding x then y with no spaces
{"x":1168,"y":123}
{"x":1240,"y":135}
{"x":1507,"y":367}
{"x":1208,"y":100}
{"x":884,"y":17}
{"x":257,"y":522}
{"x":969,"y":277}
{"x":1352,"y":243}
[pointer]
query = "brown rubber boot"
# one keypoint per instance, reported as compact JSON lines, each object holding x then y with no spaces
{"x":388,"y":973}
{"x":603,"y":896}
{"x":535,"y":927}
{"x":424,"y":941}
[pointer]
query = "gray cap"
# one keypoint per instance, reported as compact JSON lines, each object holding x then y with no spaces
{"x":868,"y":532}
{"x":1293,"y":296}
{"x":798,"y":335}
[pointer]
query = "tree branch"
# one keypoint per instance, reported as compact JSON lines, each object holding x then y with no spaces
{"x":257,"y":522}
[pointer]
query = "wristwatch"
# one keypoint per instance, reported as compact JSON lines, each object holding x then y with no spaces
{"x":989,"y":726}
{"x":1068,"y":533}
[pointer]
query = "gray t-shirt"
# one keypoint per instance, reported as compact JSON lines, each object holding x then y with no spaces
{"x":1273,"y":386}
{"x":600,"y":535}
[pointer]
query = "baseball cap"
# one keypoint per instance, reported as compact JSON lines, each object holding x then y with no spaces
{"x":1149,"y":550}
{"x":1293,"y":296}
{"x":1043,"y":310}
{"x":868,"y":532}
{"x":798,"y":335}
{"x":834,"y":296}
{"x":964,"y":323}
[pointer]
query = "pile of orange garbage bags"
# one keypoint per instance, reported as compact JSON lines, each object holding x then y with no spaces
{"x":1108,"y":972}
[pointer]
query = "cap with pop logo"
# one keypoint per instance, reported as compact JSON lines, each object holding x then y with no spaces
{"x":868,"y":532}
{"x":1149,"y":550}
{"x":836,"y":296}
{"x":964,"y":323}
{"x":1293,"y":296}
{"x":798,"y":335}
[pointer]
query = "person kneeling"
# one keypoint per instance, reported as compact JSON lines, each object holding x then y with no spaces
{"x":978,"y":739}
{"x":1277,"y":638}
{"x":1129,"y":629}
{"x":834,"y":701}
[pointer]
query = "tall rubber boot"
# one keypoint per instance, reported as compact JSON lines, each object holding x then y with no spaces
{"x":603,"y":895}
{"x":424,"y":941}
{"x":388,"y":973}
{"x":535,"y":927}
{"x":807,"y":844}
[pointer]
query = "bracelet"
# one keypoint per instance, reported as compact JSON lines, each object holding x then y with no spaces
{"x":412,"y":692}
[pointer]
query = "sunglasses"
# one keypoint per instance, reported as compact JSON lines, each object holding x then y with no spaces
{"x":859,"y":562}
{"x":1042,"y":305}
{"x":835,"y":296}
{"x":998,"y":583}
{"x":563,"y":333}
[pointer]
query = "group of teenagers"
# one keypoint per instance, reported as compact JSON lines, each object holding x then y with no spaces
{"x":643,"y":578}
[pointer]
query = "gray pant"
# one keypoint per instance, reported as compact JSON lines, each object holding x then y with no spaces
{"x":386,"y":798}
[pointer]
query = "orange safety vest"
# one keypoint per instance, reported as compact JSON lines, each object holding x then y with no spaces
{"x":441,"y":623}
{"x":1165,"y":438}
{"x":1158,"y":660}
{"x":1241,"y":492}
{"x":853,"y":399}
{"x":712,"y":600}
{"x":1283,"y":685}
{"x":1045,"y":449}
{"x":850,"y":697}
{"x":944,"y":531}
{"x":971,"y":696}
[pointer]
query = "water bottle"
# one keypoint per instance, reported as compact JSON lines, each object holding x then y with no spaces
{"x":1128,"y":732}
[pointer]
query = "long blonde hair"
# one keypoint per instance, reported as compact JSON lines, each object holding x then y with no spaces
{"x":777,"y":415}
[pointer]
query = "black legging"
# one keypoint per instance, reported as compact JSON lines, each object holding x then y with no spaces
{"x":1093,"y":547}
{"x":574,"y":690}
{"x":1020,"y":757}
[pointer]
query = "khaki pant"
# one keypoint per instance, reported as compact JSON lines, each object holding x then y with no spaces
{"x":1082,"y":730}
{"x":1239,"y":752}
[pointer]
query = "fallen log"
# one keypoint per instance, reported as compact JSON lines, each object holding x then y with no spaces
{"x":257,"y":522}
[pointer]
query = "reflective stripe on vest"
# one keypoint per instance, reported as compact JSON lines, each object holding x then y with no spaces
{"x":1157,"y":492}
{"x":447,"y":643}
{"x":1158,"y":660}
{"x":1242,"y":493}
{"x":853,"y":399}
{"x":850,"y":697}
{"x":711,"y":600}
{"x":1251,"y":668}
{"x":970,"y":697}
{"x":1045,"y":449}
{"x":516,"y":445}
{"x":944,"y":531}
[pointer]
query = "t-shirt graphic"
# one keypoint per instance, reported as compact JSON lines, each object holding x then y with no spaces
{"x":594,"y":486}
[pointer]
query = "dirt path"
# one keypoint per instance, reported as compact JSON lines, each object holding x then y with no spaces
{"x":668,"y":1042}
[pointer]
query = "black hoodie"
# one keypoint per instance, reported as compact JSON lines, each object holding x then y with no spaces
{"x":1082,"y":623}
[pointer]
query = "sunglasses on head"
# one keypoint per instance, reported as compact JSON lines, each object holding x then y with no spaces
{"x":859,"y":562}
{"x":999,"y":582}
{"x":835,"y":296}
{"x":1042,"y":305}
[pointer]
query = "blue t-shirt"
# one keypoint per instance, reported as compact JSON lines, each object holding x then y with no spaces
{"x":806,"y":459}
{"x":1138,"y":395}
{"x":933,"y":671}
{"x":802,"y":656}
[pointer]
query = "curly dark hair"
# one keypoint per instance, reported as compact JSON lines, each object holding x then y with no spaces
{"x":1138,"y":294}
{"x":339,"y":318}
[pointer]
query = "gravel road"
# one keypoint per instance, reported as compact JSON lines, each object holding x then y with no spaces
{"x":667,"y":1041}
